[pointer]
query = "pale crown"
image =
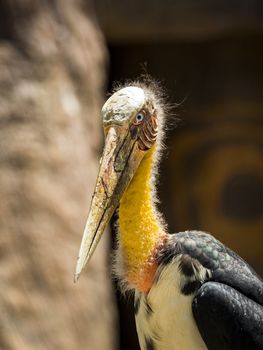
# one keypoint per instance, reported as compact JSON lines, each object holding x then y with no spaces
{"x":123,"y":105}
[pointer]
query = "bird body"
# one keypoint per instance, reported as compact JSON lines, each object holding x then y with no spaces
{"x":192,"y":268}
{"x":191,"y":291}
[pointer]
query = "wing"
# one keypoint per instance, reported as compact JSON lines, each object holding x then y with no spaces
{"x":227,"y":319}
{"x":228,"y":302}
{"x":225,"y":265}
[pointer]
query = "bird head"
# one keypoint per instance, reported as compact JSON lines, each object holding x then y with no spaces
{"x":130,"y":121}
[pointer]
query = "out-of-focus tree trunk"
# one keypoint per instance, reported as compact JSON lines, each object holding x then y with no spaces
{"x":51,"y":78}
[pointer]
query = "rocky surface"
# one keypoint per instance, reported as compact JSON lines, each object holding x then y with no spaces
{"x":52,"y":60}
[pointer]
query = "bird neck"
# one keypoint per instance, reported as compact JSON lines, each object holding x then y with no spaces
{"x":141,"y":233}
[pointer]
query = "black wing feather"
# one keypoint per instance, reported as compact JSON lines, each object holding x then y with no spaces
{"x":225,"y":265}
{"x":228,"y":306}
{"x":226,"y":319}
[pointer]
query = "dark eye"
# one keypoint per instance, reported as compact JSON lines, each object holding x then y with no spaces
{"x":139,"y":117}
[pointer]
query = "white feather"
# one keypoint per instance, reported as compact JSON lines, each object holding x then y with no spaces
{"x":171,"y":324}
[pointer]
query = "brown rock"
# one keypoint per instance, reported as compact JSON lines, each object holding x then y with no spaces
{"x":52,"y":60}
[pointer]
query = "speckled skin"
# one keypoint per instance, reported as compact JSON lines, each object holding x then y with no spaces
{"x":122,"y":105}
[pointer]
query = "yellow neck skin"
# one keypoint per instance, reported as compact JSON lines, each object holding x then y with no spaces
{"x":140,"y":230}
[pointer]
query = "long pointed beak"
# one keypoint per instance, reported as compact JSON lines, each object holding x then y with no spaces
{"x":120,"y":159}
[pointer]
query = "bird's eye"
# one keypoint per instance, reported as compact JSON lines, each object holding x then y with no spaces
{"x":139,"y":117}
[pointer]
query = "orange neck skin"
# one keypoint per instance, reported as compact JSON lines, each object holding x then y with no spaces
{"x":141,"y":233}
{"x":143,"y":278}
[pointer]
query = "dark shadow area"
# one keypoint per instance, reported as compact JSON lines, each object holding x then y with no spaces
{"x":212,"y":172}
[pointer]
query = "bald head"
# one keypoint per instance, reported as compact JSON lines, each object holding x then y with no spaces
{"x":121,"y":107}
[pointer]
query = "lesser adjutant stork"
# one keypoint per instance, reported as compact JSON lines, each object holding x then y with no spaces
{"x":191,"y":291}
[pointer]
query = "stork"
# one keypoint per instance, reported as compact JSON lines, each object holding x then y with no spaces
{"x":191,"y":291}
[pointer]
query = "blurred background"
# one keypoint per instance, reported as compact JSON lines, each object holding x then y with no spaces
{"x":57,"y":61}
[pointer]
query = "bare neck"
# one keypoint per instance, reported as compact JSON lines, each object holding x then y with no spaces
{"x":140,"y":230}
